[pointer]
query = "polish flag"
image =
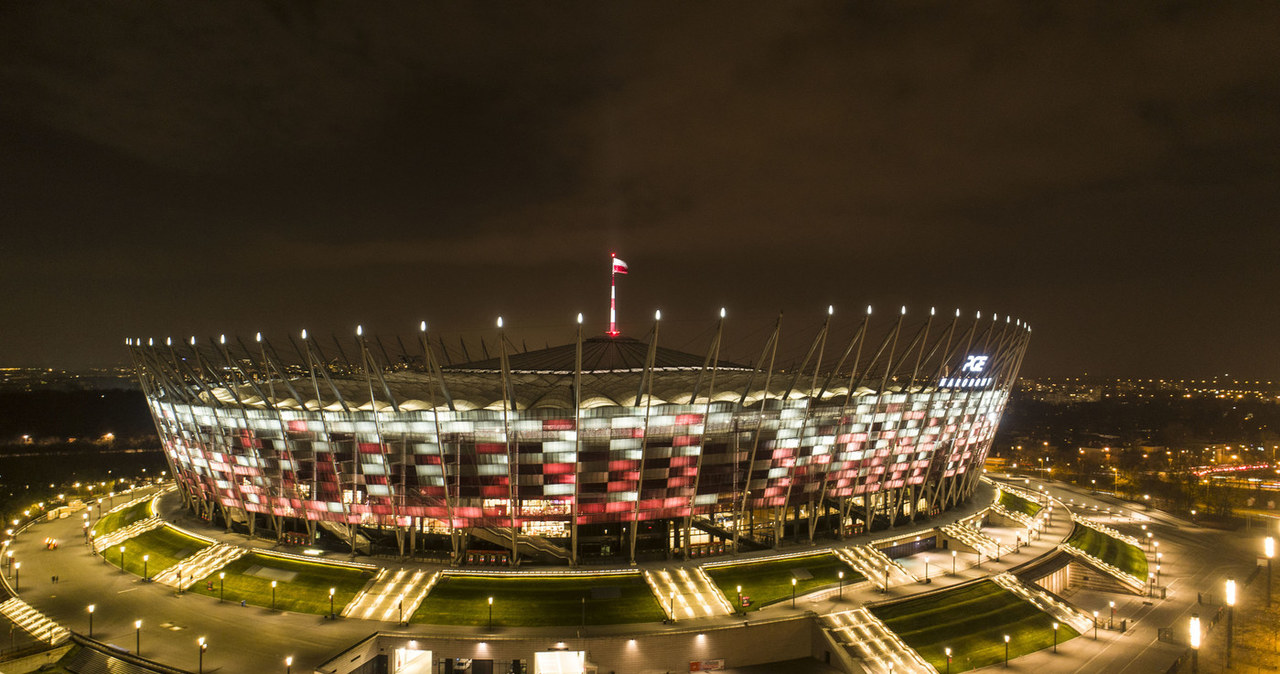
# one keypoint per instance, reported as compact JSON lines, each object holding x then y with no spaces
{"x":619,"y":267}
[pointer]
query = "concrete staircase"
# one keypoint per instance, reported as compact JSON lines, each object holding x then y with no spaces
{"x":1046,"y":602}
{"x":531,"y":546}
{"x":123,"y":534}
{"x":880,"y":650}
{"x":971,"y":538}
{"x":34,"y":622}
{"x":685,"y":594}
{"x":872,"y":563}
{"x":184,"y":574}
{"x":389,"y":592}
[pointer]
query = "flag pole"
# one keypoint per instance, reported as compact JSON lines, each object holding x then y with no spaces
{"x":613,"y":295}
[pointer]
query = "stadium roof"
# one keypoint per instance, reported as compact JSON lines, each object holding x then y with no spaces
{"x":599,"y":354}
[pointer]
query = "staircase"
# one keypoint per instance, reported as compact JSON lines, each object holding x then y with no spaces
{"x":34,"y":622}
{"x":532,"y":546}
{"x":1045,"y":602}
{"x":685,"y":594}
{"x":343,"y":532}
{"x":745,"y":544}
{"x":185,"y":573}
{"x":974,"y":539}
{"x":390,"y":592}
{"x":881,"y":651}
{"x":123,"y":534}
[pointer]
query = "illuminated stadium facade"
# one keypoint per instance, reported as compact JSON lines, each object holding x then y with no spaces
{"x":606,"y":449}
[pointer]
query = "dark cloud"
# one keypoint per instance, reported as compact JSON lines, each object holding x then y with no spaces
{"x":1105,"y":171}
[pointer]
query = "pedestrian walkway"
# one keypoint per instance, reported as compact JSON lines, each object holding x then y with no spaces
{"x":971,"y":538}
{"x":880,"y":650}
{"x":184,"y":574}
{"x":33,"y":622}
{"x":1044,"y":601}
{"x":392,"y":595}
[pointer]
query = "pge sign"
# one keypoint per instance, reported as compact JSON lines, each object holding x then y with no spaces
{"x":974,"y":364}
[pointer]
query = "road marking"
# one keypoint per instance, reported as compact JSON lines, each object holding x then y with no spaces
{"x":128,"y":590}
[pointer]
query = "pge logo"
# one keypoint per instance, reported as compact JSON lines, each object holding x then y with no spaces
{"x":974,"y":364}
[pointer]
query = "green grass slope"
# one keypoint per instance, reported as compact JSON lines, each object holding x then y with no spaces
{"x":770,"y":582}
{"x":530,"y":600}
{"x":1124,"y":556}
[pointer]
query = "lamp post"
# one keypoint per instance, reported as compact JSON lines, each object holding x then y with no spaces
{"x":137,"y":637}
{"x":204,"y":645}
{"x":793,"y":593}
{"x":222,"y":585}
{"x":953,"y":562}
{"x":947,"y":650}
{"x":739,"y":597}
{"x":490,"y":614}
{"x":1195,"y":643}
{"x":840,"y":575}
{"x":1231,"y":616}
{"x":926,"y":568}
{"x":122,"y":559}
{"x":145,"y":558}
{"x":1269,"y":549}
{"x":1006,"y":650}
{"x":1111,"y":622}
{"x":673,"y":606}
{"x":1055,"y":637}
{"x":91,"y":608}
{"x":1095,"y":625}
{"x":331,"y":591}
{"x":17,"y":576}
{"x":273,"y":595}
{"x":288,"y":665}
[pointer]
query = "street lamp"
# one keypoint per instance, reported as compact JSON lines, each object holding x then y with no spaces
{"x":840,"y":575}
{"x":793,"y":593}
{"x":953,"y":562}
{"x":1269,"y":549}
{"x":926,"y":568}
{"x":204,"y":645}
{"x":739,"y":596}
{"x":122,"y":559}
{"x":331,"y":591}
{"x":1006,"y":650}
{"x":145,"y":558}
{"x":273,"y":595}
{"x":137,"y":637}
{"x":91,"y":608}
{"x":17,"y":576}
{"x":1231,"y":616}
{"x":491,"y":614}
{"x":288,"y":665}
{"x":1055,"y":637}
{"x":1111,"y":622}
{"x":947,"y":650}
{"x":1195,"y":643}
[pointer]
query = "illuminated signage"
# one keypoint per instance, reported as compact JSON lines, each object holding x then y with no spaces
{"x":973,"y":364}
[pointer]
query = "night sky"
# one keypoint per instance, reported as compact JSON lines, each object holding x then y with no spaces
{"x":1108,"y":172}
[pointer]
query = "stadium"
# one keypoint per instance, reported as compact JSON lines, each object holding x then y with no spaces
{"x":604,"y":450}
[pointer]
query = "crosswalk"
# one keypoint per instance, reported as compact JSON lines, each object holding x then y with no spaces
{"x":392,"y":595}
{"x":184,"y":574}
{"x":879,"y":648}
{"x":686,"y":594}
{"x":33,"y":621}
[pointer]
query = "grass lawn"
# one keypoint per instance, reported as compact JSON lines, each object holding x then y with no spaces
{"x":164,"y":546}
{"x":770,"y":582}
{"x":303,"y":586}
{"x":972,"y":621}
{"x":1014,"y":503}
{"x":122,"y":518}
{"x":523,"y":601}
{"x":1122,"y":555}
